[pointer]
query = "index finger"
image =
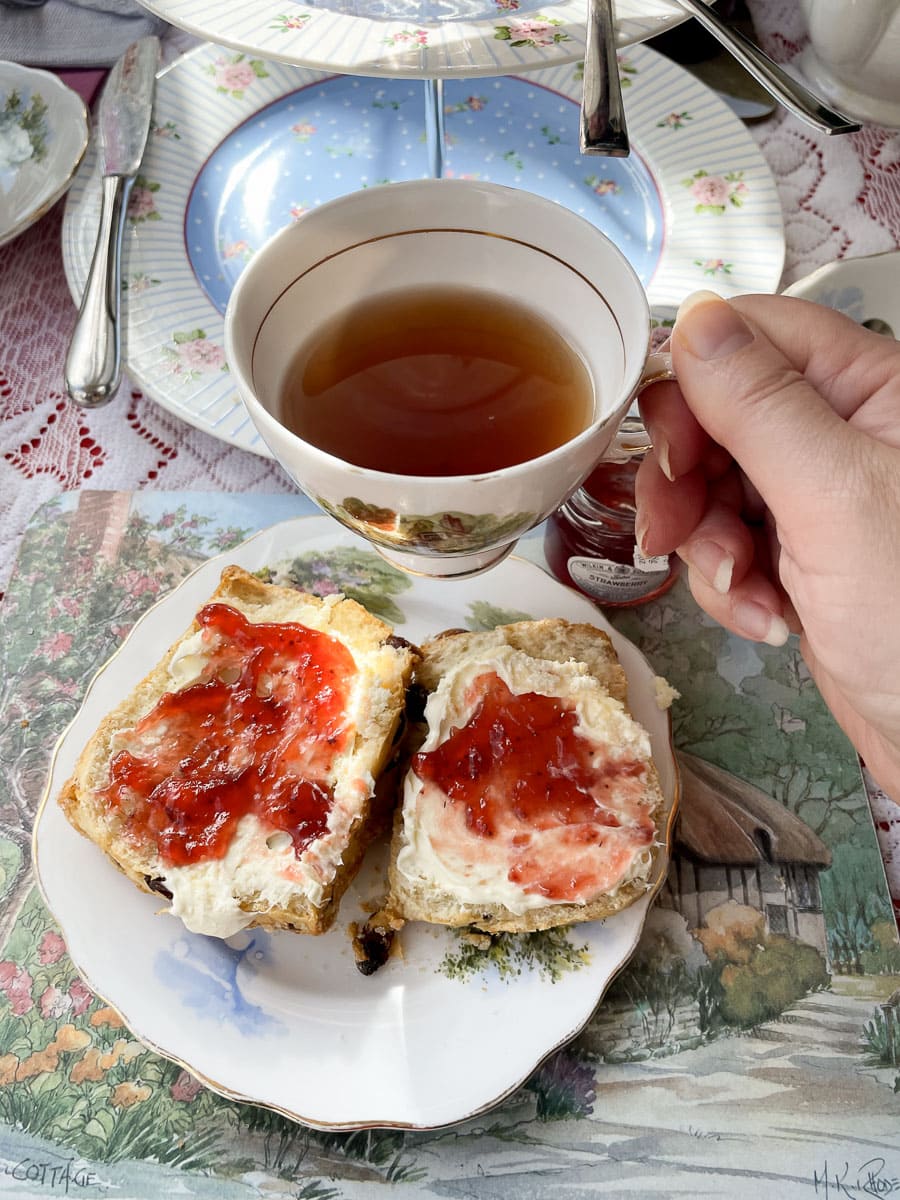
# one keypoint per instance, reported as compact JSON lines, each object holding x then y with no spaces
{"x":679,"y":440}
{"x":845,"y":363}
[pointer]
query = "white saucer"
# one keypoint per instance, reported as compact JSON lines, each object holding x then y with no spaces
{"x":44,"y":133}
{"x":439,"y":1033}
{"x":864,"y":288}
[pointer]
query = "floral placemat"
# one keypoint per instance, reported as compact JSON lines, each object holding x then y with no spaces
{"x":749,"y":1049}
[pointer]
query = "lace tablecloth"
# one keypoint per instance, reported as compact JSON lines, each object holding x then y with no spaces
{"x":840,"y":197}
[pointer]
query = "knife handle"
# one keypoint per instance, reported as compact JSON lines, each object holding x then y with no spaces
{"x":93,"y":363}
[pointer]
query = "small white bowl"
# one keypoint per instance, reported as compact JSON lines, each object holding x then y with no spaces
{"x":44,"y":132}
{"x":863,"y":288}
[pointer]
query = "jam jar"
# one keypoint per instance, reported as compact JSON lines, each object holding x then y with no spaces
{"x":590,"y":542}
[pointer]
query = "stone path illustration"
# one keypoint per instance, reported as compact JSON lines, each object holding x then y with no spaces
{"x":725,"y":1120}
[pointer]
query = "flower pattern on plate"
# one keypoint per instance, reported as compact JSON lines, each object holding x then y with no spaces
{"x":714,"y":266}
{"x":535,"y":31}
{"x":285,"y":24}
{"x":142,"y":201}
{"x":23,"y":134}
{"x":405,"y":37}
{"x":674,"y":120}
{"x":235,"y":75}
{"x":195,"y":355}
{"x":716,"y":193}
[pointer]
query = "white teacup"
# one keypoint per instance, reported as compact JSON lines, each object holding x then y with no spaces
{"x":853,"y":58}
{"x":419,"y":235}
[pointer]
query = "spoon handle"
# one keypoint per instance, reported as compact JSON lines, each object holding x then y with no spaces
{"x":793,"y":95}
{"x":603,"y":128}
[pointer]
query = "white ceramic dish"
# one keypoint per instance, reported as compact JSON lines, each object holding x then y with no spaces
{"x":427,"y":38}
{"x":44,"y":133}
{"x":866,"y":289}
{"x":288,"y":1021}
{"x":228,"y":166}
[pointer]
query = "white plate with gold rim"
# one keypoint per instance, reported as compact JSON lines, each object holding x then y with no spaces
{"x":439,"y":1033}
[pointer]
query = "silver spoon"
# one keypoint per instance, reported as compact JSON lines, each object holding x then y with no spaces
{"x":793,"y":95}
{"x":603,"y":128}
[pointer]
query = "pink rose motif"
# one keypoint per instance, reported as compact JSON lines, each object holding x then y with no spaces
{"x":710,"y":189}
{"x":201,"y":355}
{"x":418,"y":36}
{"x":8,"y":972}
{"x":303,"y":129}
{"x":69,"y":605}
{"x":167,"y":520}
{"x":81,"y":996}
{"x":234,"y":249}
{"x":186,"y":1088}
{"x":56,"y":647}
{"x":54,"y":1003}
{"x":140,"y":203}
{"x":234,"y":77}
{"x":475,"y":103}
{"x":539,"y":33}
{"x":52,"y":947}
{"x":297,"y":211}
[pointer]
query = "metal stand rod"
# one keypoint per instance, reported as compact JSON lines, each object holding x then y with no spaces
{"x":434,"y":126}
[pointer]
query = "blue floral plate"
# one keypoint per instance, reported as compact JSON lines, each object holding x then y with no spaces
{"x":43,"y":136}
{"x":241,"y":147}
{"x":441,"y":1032}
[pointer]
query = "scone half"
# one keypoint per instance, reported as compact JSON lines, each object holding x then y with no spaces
{"x":238,"y":778}
{"x":531,"y":800}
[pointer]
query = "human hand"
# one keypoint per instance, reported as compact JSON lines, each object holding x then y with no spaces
{"x":776,"y":478}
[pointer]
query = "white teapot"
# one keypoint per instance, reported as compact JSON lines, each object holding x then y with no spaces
{"x":853,"y":58}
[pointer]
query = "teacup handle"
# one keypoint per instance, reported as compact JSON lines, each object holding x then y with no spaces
{"x":631,"y":438}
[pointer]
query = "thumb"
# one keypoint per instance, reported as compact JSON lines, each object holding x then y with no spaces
{"x":751,"y":399}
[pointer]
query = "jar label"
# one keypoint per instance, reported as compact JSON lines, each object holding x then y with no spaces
{"x":615,"y":582}
{"x":653,"y":562}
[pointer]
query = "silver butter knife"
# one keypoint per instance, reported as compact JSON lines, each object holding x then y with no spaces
{"x":94,"y":361}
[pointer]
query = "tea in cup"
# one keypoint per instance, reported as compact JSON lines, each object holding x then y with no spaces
{"x":439,"y":364}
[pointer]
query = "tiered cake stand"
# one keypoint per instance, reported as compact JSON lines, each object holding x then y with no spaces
{"x":428,"y":39}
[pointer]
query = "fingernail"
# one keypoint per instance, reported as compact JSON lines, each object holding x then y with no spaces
{"x":641,"y":529}
{"x":709,"y":328}
{"x":701,"y":296}
{"x":661,"y":446}
{"x":760,"y":623}
{"x":714,"y":564}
